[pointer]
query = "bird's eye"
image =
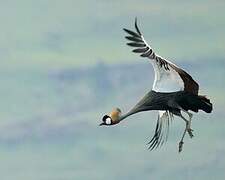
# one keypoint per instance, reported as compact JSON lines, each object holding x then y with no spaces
{"x":108,"y":120}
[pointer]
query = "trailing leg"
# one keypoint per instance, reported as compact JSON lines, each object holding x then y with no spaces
{"x":188,"y":123}
{"x":187,"y":129}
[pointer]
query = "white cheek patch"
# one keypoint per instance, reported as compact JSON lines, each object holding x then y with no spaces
{"x":108,"y":120}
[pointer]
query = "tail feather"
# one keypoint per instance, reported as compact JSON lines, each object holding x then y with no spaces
{"x":205,"y":104}
{"x":195,"y":102}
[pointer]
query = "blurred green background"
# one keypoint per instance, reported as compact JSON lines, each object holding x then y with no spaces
{"x":64,"y":64}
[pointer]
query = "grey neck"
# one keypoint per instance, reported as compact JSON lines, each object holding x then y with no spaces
{"x":133,"y":111}
{"x":143,"y":105}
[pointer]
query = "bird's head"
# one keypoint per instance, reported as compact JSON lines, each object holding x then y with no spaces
{"x":111,"y":118}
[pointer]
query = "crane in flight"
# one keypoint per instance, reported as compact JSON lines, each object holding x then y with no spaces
{"x":174,"y":92}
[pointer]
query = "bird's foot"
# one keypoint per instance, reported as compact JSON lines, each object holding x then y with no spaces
{"x":180,"y":146}
{"x":189,"y":130}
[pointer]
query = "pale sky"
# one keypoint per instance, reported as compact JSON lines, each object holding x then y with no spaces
{"x":56,"y":33}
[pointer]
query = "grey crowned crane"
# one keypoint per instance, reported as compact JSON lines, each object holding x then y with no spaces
{"x":174,"y":92}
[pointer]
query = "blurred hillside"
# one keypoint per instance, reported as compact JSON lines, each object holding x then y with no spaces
{"x":49,"y":125}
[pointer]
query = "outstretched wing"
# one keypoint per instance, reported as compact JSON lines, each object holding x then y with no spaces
{"x":168,"y":76}
{"x":161,"y":130}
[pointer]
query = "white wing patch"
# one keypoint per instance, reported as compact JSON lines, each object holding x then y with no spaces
{"x":161,"y":130}
{"x":166,"y":80}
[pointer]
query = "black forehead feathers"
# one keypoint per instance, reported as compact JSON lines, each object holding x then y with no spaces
{"x":105,"y":117}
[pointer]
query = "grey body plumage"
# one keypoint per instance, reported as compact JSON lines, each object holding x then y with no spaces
{"x":172,"y":103}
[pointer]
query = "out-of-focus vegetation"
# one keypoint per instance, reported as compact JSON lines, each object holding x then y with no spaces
{"x":49,"y":125}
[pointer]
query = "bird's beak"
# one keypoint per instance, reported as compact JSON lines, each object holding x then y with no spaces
{"x":101,"y":124}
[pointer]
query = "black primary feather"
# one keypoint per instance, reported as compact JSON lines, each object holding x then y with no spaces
{"x":141,"y":50}
{"x":136,"y":27}
{"x":131,"y":32}
{"x":136,"y":45}
{"x":135,"y":39}
{"x":147,"y":53}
